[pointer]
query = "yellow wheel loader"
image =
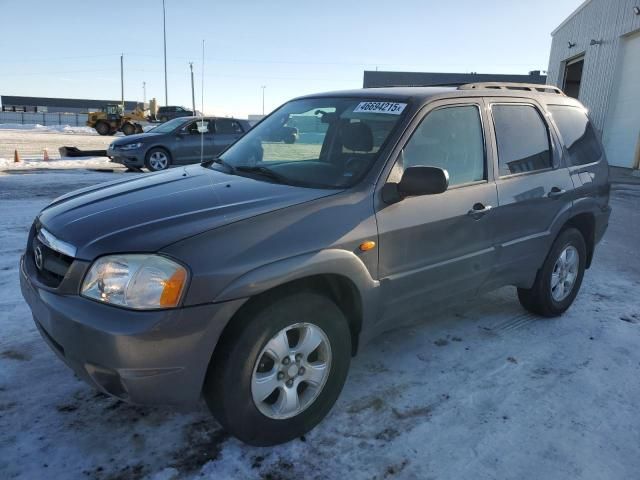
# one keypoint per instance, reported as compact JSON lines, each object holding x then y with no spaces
{"x":112,"y":119}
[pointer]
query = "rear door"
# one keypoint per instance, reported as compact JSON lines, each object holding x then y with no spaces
{"x":435,"y":247}
{"x":227,"y":131}
{"x":534,"y":187}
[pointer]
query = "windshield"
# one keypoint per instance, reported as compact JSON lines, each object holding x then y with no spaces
{"x":319,"y":142}
{"x":169,"y":126}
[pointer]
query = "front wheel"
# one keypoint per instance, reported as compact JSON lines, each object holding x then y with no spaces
{"x":559,"y":279}
{"x":157,"y":159}
{"x":280,"y":368}
{"x":103,"y":128}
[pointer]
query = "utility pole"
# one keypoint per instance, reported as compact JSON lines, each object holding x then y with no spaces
{"x":164,"y":31}
{"x":263,"y":87}
{"x":122,"y":79}
{"x":144,"y":93}
{"x":193,"y":92}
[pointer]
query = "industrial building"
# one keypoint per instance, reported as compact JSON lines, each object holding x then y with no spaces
{"x":57,"y":105}
{"x":375,"y":78}
{"x":595,"y":57}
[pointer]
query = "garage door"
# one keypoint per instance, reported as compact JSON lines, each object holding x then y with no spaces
{"x":623,"y":119}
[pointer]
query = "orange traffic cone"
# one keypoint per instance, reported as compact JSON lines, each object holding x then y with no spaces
{"x":45,"y":155}
{"x":16,"y":157}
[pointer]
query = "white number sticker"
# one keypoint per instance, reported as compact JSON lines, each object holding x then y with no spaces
{"x":391,"y":108}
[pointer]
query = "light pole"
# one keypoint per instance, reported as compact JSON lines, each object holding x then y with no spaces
{"x":144,"y":94}
{"x":263,"y":87}
{"x":164,"y":31}
{"x":122,"y":79}
{"x":193,"y":92}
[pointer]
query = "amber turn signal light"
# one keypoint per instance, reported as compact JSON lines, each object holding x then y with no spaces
{"x":368,"y":245}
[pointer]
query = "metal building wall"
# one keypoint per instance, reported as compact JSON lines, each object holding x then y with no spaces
{"x":606,"y":20}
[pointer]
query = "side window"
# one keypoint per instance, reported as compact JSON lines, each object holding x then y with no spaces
{"x":192,"y":128}
{"x":225,"y":125}
{"x":522,"y":138}
{"x":577,"y":134}
{"x":450,"y":138}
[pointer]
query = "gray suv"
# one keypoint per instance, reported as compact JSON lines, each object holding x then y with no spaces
{"x":253,"y":278}
{"x":177,"y":142}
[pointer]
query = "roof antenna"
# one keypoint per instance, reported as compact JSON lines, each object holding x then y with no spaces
{"x":202,"y":112}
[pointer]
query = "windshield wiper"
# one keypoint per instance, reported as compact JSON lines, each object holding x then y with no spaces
{"x":219,"y":161}
{"x":264,"y":171}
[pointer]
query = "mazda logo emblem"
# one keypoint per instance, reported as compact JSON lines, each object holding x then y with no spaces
{"x":38,"y":257}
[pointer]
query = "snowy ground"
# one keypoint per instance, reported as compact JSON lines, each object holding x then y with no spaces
{"x":482,"y":391}
{"x":31,"y":140}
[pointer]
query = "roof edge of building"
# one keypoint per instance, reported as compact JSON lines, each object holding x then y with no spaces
{"x":573,"y":14}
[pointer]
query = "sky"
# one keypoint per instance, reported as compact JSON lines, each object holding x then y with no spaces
{"x":72,"y":48}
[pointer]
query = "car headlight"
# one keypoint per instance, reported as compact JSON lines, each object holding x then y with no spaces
{"x":131,"y":146}
{"x":136,"y":281}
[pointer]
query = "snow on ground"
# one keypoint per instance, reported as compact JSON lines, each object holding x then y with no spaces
{"x":59,"y":164}
{"x":31,"y":142}
{"x":481,"y":391}
{"x":49,"y":128}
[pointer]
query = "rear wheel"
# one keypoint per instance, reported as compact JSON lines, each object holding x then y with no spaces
{"x":163,"y":119}
{"x":128,"y":128}
{"x":157,"y":159}
{"x":138,"y":128}
{"x":559,"y":279}
{"x":280,"y":368}
{"x":103,"y":128}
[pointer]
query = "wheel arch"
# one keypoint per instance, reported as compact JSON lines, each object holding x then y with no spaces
{"x":339,"y":274}
{"x":585,"y":223}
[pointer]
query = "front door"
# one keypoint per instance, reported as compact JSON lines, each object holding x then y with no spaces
{"x":191,"y":141}
{"x":436,"y":247}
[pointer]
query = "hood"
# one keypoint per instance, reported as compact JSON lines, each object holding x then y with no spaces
{"x":148,"y":212}
{"x":133,"y":138}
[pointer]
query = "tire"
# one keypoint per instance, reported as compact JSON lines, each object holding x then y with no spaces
{"x":103,"y":128}
{"x":157,"y":159}
{"x":290,"y":138}
{"x":231,"y":389}
{"x":163,"y":119}
{"x":128,"y":128}
{"x":546,"y":299}
{"x":138,"y":128}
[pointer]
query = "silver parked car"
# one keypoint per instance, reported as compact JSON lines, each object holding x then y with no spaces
{"x":253,"y":278}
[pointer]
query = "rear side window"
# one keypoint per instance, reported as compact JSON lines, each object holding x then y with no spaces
{"x":577,"y":134}
{"x":227,"y":126}
{"x":450,"y":138}
{"x":522,"y":138}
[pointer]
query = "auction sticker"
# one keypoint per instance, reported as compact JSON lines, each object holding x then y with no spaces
{"x":391,"y":108}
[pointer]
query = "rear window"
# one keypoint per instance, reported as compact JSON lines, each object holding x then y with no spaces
{"x":577,"y":133}
{"x":522,"y":137}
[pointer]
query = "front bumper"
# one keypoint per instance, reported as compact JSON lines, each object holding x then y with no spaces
{"x":132,"y":158}
{"x":151,"y":358}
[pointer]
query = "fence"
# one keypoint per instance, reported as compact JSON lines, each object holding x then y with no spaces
{"x":42,"y":118}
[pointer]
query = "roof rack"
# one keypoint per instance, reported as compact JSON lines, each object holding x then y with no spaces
{"x":527,"y":87}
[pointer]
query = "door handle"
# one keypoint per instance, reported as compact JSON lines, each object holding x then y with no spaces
{"x":479,"y":210}
{"x":556,"y":192}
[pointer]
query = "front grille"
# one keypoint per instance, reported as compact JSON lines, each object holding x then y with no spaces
{"x":54,"y":265}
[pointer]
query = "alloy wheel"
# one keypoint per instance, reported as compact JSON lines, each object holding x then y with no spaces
{"x":564,"y":273}
{"x":291,"y":371}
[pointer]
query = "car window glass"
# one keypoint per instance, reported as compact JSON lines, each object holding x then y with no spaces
{"x":227,"y":126}
{"x":450,"y":138}
{"x":192,"y":128}
{"x":577,"y":133}
{"x":522,"y":138}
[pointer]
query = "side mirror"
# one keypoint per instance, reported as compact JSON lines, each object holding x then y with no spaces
{"x":416,"y":181}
